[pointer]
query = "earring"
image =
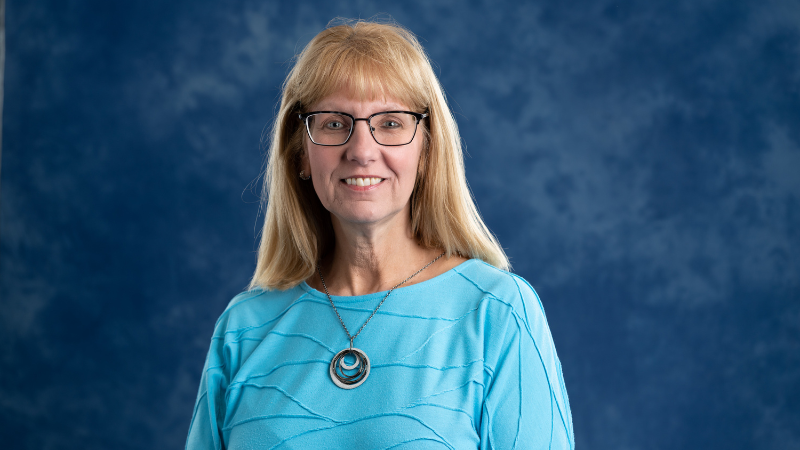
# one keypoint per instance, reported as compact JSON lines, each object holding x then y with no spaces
{"x":303,"y":177}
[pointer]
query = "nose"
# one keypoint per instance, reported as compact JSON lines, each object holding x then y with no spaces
{"x":362,"y":147}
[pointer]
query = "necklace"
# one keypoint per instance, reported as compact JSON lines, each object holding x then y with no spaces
{"x":349,"y":376}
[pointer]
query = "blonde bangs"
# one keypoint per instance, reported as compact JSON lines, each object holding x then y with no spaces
{"x":366,"y":65}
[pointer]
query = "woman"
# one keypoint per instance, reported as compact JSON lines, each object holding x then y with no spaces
{"x":380,"y":314}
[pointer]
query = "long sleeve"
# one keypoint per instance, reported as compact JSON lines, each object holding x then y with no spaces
{"x":205,"y":431}
{"x":526,"y":404}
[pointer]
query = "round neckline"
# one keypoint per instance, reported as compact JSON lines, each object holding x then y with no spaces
{"x":401,"y":290}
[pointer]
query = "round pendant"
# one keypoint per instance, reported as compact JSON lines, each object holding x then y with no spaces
{"x":349,"y":376}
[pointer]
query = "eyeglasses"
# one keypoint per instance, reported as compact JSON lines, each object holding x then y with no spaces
{"x":389,"y":128}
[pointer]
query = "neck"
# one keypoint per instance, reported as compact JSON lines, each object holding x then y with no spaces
{"x":373,"y":258}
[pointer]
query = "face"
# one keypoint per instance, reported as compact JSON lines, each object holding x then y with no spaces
{"x":382,"y":177}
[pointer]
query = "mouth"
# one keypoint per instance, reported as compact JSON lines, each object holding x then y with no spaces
{"x":363,"y":181}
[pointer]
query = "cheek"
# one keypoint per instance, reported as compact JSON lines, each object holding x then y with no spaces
{"x":322,"y":163}
{"x":410,"y":166}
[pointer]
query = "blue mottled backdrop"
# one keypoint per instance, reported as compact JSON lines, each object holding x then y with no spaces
{"x":639,"y":160}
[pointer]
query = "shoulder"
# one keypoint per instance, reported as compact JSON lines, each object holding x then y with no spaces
{"x":507,"y":288}
{"x":251,"y":308}
{"x":513,"y":307}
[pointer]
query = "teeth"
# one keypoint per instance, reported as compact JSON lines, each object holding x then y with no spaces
{"x":363,"y":181}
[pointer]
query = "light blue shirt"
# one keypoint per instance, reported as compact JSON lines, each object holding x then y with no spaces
{"x":464,"y":360}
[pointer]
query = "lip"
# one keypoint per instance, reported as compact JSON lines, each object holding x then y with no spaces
{"x":365,"y":175}
{"x":357,"y":188}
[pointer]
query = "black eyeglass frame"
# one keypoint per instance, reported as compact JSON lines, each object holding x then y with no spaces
{"x":418,"y":116}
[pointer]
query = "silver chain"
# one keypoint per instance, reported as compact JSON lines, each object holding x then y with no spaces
{"x":352,"y":338}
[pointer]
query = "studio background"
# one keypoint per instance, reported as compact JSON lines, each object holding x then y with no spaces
{"x":638,"y":160}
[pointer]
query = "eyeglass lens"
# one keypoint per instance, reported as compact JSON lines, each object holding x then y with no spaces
{"x":387,"y":128}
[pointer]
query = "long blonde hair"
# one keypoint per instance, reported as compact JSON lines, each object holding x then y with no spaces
{"x":371,"y":60}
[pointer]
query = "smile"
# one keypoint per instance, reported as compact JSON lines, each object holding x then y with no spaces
{"x":363,"y":181}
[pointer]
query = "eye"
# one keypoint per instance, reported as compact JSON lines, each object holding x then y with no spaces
{"x":335,"y":125}
{"x":391,"y":124}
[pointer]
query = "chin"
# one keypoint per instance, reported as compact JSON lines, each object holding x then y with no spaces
{"x":364,"y":216}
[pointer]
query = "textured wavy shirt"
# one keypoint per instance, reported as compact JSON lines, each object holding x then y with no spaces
{"x":464,"y":360}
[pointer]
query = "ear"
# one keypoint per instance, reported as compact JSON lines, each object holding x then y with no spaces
{"x":305,"y":165}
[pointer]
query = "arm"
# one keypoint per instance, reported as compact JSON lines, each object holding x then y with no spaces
{"x":525,"y":404}
{"x":205,"y":431}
